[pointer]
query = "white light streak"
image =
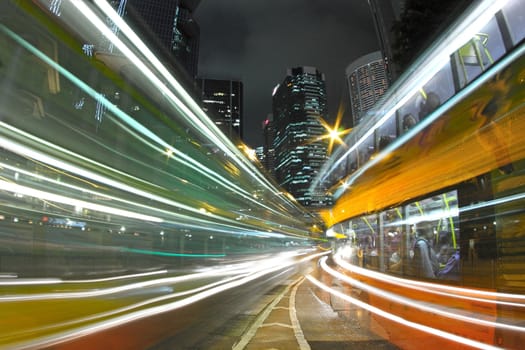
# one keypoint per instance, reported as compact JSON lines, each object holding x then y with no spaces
{"x":48,"y":196}
{"x":194,"y":113}
{"x":200,"y":124}
{"x":223,"y":182}
{"x":426,"y":68}
{"x":263,"y":268}
{"x":464,"y":293}
{"x":400,"y":320}
{"x":417,"y":305}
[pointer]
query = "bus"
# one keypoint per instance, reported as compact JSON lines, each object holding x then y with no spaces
{"x":443,"y":151}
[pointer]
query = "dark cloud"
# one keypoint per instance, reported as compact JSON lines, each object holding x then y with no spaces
{"x":257,"y":40}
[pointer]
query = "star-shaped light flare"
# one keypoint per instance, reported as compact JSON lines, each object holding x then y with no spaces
{"x":335,"y":133}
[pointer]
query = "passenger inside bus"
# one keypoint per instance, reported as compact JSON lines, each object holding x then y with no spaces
{"x":429,"y":104}
{"x":408,"y":122}
{"x":448,"y":257}
{"x":425,"y":263}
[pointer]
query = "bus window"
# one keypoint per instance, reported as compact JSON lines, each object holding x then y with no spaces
{"x":366,"y":241}
{"x":439,"y":89}
{"x":365,"y":151}
{"x":479,"y":53}
{"x":443,"y":214}
{"x":408,"y":113}
{"x":515,"y":20}
{"x":386,"y":133}
{"x":392,"y":237}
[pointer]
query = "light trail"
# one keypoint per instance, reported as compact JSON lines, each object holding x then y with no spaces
{"x":159,"y":253}
{"x":8,"y":186}
{"x":440,"y":289}
{"x":418,"y":305}
{"x":208,"y":173}
{"x":134,"y":306}
{"x":400,"y":320}
{"x":112,"y":290}
{"x":170,"y":216}
{"x":194,"y":111}
{"x":84,"y":10}
{"x":435,"y":59}
{"x":44,"y":281}
{"x":286,"y":259}
{"x":272,"y":265}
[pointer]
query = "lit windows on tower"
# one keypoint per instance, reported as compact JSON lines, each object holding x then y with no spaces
{"x":222,"y":100}
{"x":367,"y":81}
{"x":299,"y":105}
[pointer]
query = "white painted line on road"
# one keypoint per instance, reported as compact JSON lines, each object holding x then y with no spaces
{"x":298,"y":331}
{"x":276,"y":324}
{"x":281,"y":307}
{"x":248,"y":336}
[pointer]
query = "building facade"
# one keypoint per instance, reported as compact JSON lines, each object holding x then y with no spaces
{"x":299,"y":104}
{"x":222,"y":100}
{"x":268,"y":147}
{"x":384,"y":14}
{"x":367,"y":81}
{"x":172,"y":23}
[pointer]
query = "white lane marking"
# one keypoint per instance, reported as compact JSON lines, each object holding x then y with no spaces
{"x":298,"y":331}
{"x":281,"y":307}
{"x":276,"y":324}
{"x":247,"y":336}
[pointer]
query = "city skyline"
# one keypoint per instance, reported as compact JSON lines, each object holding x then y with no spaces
{"x":256,"y":43}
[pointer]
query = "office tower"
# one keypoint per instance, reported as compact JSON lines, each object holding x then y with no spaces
{"x":268,"y":148}
{"x":367,"y":82}
{"x":299,"y":103}
{"x":384,"y":14}
{"x":222,"y":100}
{"x":172,"y":24}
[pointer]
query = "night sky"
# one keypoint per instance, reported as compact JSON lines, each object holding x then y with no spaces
{"x":257,"y":40}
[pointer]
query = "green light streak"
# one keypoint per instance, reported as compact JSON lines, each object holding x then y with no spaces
{"x":151,"y":252}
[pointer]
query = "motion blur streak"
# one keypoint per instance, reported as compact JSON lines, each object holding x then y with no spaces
{"x":188,"y":161}
{"x":75,"y":202}
{"x":187,"y":112}
{"x":466,"y":29}
{"x":440,"y":289}
{"x":202,"y":122}
{"x":282,"y":260}
{"x":36,"y":281}
{"x":127,"y":287}
{"x":507,"y":199}
{"x":99,"y":316}
{"x":120,"y":199}
{"x":395,"y":318}
{"x":90,"y":175}
{"x":417,"y":304}
{"x":258,"y":270}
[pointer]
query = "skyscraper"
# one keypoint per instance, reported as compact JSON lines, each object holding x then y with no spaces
{"x":367,"y":82}
{"x":268,"y":147}
{"x":170,"y":23}
{"x":299,"y":103}
{"x":259,"y":153}
{"x":384,"y":15}
{"x":222,"y":100}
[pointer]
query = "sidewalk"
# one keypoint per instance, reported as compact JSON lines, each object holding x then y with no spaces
{"x":303,"y":318}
